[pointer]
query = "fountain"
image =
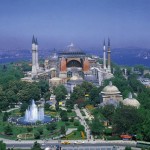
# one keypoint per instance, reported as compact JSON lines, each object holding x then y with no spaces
{"x":33,"y":114}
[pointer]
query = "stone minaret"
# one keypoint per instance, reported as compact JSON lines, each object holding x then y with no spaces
{"x":104,"y":55}
{"x":109,"y":58}
{"x":37,"y":60}
{"x":34,"y":70}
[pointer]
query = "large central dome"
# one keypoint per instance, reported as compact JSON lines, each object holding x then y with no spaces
{"x":72,"y":49}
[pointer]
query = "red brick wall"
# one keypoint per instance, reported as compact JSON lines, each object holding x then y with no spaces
{"x":86,"y":65}
{"x":63,"y":65}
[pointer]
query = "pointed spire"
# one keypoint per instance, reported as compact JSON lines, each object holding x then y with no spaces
{"x":108,"y":42}
{"x":36,"y":42}
{"x":33,"y":40}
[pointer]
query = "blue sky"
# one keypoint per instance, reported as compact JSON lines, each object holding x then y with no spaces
{"x":56,"y":23}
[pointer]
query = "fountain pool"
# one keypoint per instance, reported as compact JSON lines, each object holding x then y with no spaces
{"x":33,"y":114}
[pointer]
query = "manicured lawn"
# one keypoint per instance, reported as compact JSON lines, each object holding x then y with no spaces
{"x":71,"y":114}
{"x":21,"y":129}
{"x":75,"y":135}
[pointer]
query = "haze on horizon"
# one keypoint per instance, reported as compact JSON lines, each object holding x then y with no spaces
{"x":56,"y":23}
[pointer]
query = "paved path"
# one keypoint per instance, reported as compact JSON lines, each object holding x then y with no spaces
{"x":88,"y":114}
{"x":9,"y":110}
{"x":70,"y":130}
{"x":83,"y":122}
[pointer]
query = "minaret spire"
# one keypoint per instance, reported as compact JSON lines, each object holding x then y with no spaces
{"x":109,"y":58}
{"x":34,"y":47}
{"x":37,"y":60}
{"x":36,"y":42}
{"x":33,"y":40}
{"x":108,"y":42}
{"x":104,"y":55}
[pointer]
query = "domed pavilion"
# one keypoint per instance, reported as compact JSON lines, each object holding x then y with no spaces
{"x":130,"y":101}
{"x":111,"y":92}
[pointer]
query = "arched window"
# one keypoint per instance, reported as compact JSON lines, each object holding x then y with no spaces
{"x":69,"y":74}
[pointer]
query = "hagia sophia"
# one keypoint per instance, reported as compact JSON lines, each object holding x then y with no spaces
{"x":72,"y":66}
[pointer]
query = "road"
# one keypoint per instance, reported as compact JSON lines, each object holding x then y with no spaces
{"x":93,"y":145}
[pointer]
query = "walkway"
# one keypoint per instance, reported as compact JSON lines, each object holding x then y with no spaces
{"x":87,"y":113}
{"x":9,"y":110}
{"x":70,"y":130}
{"x":83,"y":122}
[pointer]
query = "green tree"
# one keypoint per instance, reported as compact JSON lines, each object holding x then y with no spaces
{"x":37,"y":135}
{"x":40,"y":130}
{"x":145,"y":125}
{"x":44,"y":86}
{"x":78,"y":93}
{"x":76,"y":123}
{"x":25,"y":67}
{"x":63,"y":115}
{"x":8,"y":130}
{"x":108,"y":112}
{"x":60,"y":92}
{"x":63,"y":130}
{"x":11,"y":96}
{"x":47,"y":106}
{"x":29,"y":129}
{"x":36,"y":146}
{"x":47,"y":95}
{"x":81,"y":128}
{"x":2,"y":145}
{"x":5,"y":116}
{"x":3,"y":100}
{"x":126,"y":120}
{"x":127,"y":148}
{"x":64,"y":118}
{"x":69,"y":104}
{"x":86,"y":86}
{"x":96,"y":127}
{"x":23,"y":108}
{"x":94,"y":95}
{"x":51,"y":126}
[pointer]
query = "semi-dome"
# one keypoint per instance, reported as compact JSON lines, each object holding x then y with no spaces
{"x":110,"y":89}
{"x":130,"y":101}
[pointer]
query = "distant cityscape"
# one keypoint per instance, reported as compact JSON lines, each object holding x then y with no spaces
{"x":120,"y":56}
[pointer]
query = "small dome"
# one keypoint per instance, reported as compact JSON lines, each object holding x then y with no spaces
{"x":55,"y":78}
{"x":47,"y":148}
{"x":74,"y":78}
{"x":130,"y":101}
{"x":109,"y":89}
